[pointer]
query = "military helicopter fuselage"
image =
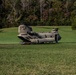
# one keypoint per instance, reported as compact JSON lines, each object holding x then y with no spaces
{"x":29,"y":37}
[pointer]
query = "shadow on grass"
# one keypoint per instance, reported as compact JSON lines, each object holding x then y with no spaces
{"x":41,"y":43}
{"x":60,"y":43}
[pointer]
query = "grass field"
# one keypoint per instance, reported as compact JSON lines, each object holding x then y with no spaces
{"x":39,"y":59}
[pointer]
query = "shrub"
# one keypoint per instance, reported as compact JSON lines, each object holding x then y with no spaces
{"x":74,"y":23}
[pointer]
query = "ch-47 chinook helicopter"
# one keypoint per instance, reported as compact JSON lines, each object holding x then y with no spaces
{"x":29,"y":37}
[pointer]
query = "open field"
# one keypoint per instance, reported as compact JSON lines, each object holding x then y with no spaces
{"x":39,"y":59}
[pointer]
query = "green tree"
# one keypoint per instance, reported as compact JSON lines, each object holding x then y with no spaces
{"x":36,"y":12}
{"x":74,"y":23}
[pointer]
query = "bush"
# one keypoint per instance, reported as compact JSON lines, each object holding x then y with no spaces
{"x":74,"y":23}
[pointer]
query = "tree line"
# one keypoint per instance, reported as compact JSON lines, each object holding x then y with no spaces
{"x":37,"y":12}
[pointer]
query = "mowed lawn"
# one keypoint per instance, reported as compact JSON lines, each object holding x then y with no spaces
{"x":39,"y":59}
